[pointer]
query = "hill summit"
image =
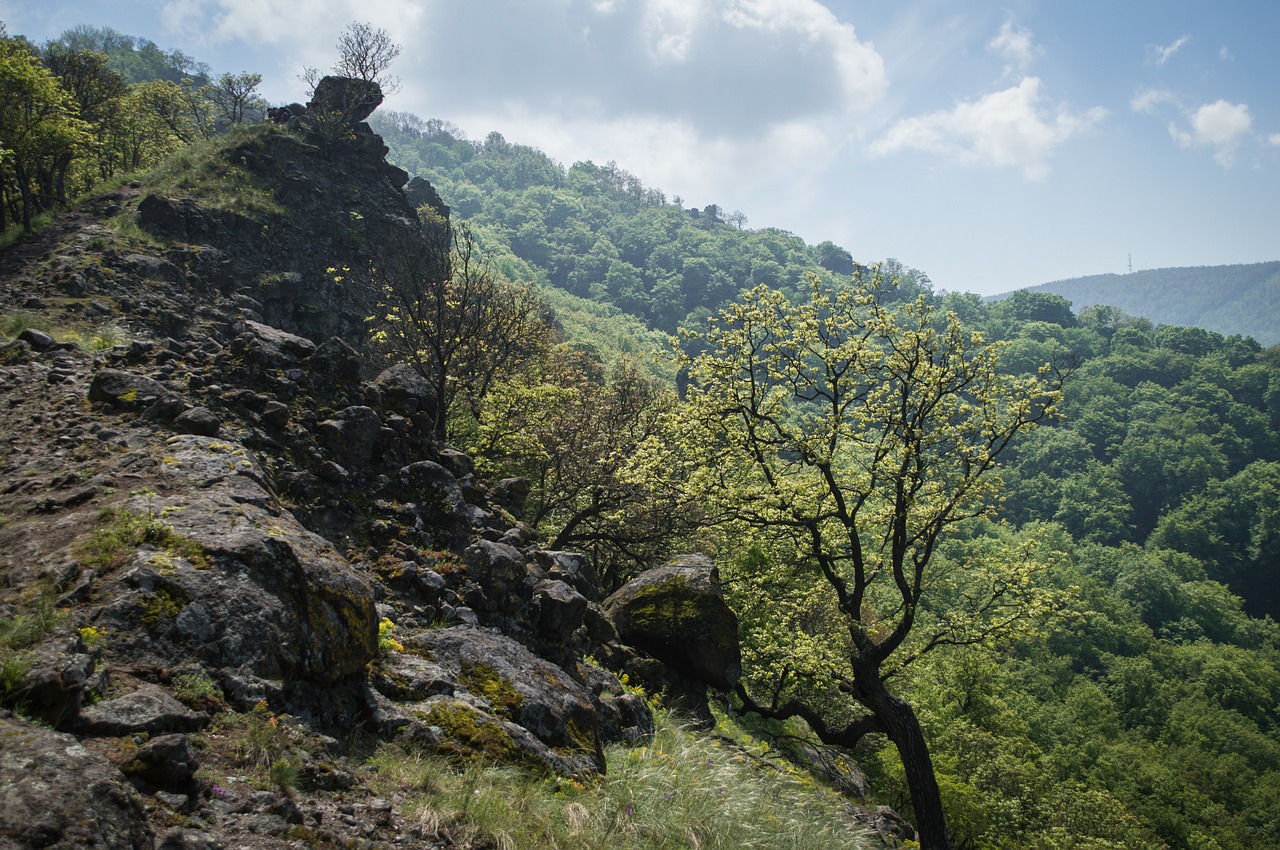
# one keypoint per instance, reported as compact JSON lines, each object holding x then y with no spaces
{"x":1236,"y":299}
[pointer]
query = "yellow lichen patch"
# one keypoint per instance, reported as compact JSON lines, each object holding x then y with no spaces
{"x":484,"y":681}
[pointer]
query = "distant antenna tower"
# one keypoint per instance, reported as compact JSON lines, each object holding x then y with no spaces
{"x":1130,"y":262}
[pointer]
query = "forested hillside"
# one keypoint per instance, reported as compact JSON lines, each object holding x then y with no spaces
{"x":1143,"y":713}
{"x":1243,"y":299}
{"x":597,"y":231}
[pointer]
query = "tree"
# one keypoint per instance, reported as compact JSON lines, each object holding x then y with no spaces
{"x":438,"y":306}
{"x":40,"y":134}
{"x":234,"y":93}
{"x":571,"y":430}
{"x":364,"y":53}
{"x":844,"y":437}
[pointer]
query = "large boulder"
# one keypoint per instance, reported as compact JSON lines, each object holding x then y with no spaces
{"x":406,"y":392}
{"x":487,"y":696}
{"x":56,"y":794}
{"x":677,"y":614}
{"x":148,"y":709}
{"x":353,"y":99}
{"x":241,"y":586}
{"x":126,"y":389}
{"x":351,"y":434}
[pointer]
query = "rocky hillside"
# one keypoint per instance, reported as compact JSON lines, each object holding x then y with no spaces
{"x":231,"y":555}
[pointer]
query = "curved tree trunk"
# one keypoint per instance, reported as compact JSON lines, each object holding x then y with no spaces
{"x":903,"y":728}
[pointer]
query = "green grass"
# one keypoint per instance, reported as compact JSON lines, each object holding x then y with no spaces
{"x":95,"y":338}
{"x":15,"y":233}
{"x":19,"y":632}
{"x":120,"y":531}
{"x":683,"y":790}
{"x":206,"y":170}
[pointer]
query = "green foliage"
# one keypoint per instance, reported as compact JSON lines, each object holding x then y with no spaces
{"x":17,"y":633}
{"x":571,"y":428}
{"x":40,"y":135}
{"x":198,"y":691}
{"x":845,"y":436}
{"x":284,"y":774}
{"x":437,"y":305}
{"x":90,"y":107}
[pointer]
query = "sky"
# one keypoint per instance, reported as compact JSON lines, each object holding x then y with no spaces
{"x":991,"y":145}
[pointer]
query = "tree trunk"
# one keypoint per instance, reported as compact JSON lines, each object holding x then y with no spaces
{"x":903,"y":728}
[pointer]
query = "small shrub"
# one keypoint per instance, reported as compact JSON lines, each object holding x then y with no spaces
{"x":108,"y":335}
{"x":284,"y":774}
{"x":90,"y":636}
{"x":121,"y":531}
{"x":264,"y":739}
{"x":198,"y":691}
{"x":18,"y":321}
{"x":19,"y":632}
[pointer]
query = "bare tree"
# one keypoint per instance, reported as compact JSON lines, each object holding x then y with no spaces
{"x":364,"y":53}
{"x":439,"y":308}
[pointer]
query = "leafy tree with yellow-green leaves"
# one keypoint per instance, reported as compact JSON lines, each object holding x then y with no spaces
{"x":838,"y":440}
{"x":40,"y":134}
{"x":436,"y":305}
{"x":570,"y":426}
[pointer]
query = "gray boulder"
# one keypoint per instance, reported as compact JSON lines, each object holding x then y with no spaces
{"x":168,"y":761}
{"x":263,"y":597}
{"x":350,"y":434}
{"x":354,"y":100}
{"x":489,"y":696}
{"x":406,"y":392}
{"x":677,"y":614}
{"x":198,"y":420}
{"x":148,"y":709}
{"x":56,"y":794}
{"x":125,"y":389}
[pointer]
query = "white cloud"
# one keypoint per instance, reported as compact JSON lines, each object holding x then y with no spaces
{"x":726,"y":68}
{"x":1220,"y":125}
{"x":1004,"y":129}
{"x":1015,"y":45}
{"x":858,"y":65}
{"x":1274,"y":140}
{"x":1147,"y":100}
{"x":1161,"y":55}
{"x":288,"y":22}
{"x":670,"y":26}
{"x":1226,"y":55}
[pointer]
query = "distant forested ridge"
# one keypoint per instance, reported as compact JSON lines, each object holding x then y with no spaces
{"x":1237,"y":299}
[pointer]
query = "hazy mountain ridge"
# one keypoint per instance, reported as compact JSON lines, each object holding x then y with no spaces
{"x":1234,"y":299}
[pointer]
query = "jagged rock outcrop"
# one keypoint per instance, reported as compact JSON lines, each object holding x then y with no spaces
{"x":229,"y":509}
{"x":354,"y":100}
